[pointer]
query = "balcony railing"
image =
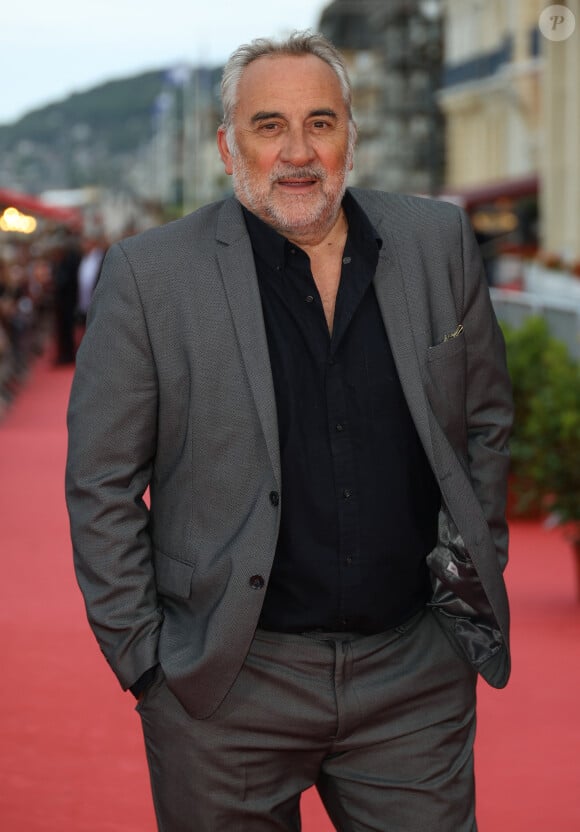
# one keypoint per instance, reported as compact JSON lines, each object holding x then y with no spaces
{"x":476,"y":69}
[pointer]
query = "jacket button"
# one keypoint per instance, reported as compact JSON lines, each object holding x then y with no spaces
{"x":274,"y":498}
{"x":257,"y":582}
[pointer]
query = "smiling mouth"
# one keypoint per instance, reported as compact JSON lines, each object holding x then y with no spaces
{"x":296,"y":183}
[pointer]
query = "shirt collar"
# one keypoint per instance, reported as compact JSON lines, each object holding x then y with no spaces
{"x":272,"y":247}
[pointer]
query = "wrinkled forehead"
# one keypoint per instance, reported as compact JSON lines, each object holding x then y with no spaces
{"x":275,"y":83}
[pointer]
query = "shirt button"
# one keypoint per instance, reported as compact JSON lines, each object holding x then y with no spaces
{"x":309,"y":298}
{"x":346,"y":260}
{"x":257,"y":582}
{"x":346,"y":493}
{"x":274,"y":498}
{"x":339,"y":427}
{"x":348,"y":560}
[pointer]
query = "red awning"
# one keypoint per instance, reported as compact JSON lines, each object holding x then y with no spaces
{"x":473,"y":196}
{"x":35,"y":206}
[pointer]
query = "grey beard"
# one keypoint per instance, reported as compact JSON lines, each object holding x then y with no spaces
{"x":313,"y":218}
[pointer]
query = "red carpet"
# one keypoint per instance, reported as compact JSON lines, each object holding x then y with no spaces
{"x":71,"y":755}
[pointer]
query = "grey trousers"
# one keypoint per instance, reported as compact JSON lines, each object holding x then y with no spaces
{"x":382,"y":725}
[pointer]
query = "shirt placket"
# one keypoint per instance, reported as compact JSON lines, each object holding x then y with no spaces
{"x":346,"y":492}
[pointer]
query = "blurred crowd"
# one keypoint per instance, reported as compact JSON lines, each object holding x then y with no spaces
{"x":45,"y":290}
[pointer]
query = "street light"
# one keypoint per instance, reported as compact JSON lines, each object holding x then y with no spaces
{"x":14,"y":220}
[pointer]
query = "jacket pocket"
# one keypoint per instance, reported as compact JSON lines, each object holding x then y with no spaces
{"x":173,"y":577}
{"x":447,"y":348}
{"x":444,"y":375}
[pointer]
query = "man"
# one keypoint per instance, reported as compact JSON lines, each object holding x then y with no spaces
{"x":312,"y":384}
{"x":89,"y":267}
{"x":65,"y":281}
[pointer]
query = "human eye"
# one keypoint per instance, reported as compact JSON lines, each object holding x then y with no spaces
{"x":321,"y":124}
{"x":269,"y":128}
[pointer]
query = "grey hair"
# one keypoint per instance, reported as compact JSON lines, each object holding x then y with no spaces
{"x":298,"y":43}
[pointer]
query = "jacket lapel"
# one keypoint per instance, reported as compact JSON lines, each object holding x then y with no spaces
{"x":238,"y":273}
{"x":397,"y":296}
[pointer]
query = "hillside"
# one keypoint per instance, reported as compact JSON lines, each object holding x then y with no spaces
{"x":82,"y":138}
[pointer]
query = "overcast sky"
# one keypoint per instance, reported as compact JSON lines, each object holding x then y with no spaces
{"x":50,"y":48}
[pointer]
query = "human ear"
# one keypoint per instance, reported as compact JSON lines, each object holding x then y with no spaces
{"x":224,"y":150}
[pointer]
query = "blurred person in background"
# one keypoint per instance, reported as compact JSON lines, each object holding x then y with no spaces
{"x":17,"y":308}
{"x":66,"y":261}
{"x":24,"y":302}
{"x":311,"y":382}
{"x":88,"y":273}
{"x":6,"y":368}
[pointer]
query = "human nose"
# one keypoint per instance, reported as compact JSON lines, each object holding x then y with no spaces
{"x":297,"y":148}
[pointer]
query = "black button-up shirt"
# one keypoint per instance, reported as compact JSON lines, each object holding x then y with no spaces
{"x":359,"y":501}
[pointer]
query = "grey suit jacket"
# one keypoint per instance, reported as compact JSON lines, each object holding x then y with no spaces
{"x":173,"y":392}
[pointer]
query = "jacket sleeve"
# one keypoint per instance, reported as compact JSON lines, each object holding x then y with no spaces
{"x":489,"y":407}
{"x":112,"y":437}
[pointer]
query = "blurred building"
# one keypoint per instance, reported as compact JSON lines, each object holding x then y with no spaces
{"x":393,"y":50}
{"x":179,"y":168}
{"x":491,"y":90}
{"x":511,"y":100}
{"x":560,"y":158}
{"x":491,"y":98}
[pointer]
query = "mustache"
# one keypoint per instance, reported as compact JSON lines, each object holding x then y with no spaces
{"x":291,"y":172}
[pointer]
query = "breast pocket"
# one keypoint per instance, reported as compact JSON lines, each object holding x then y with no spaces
{"x":445,"y":371}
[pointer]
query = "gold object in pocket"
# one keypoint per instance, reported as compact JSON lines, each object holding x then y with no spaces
{"x":451,"y":335}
